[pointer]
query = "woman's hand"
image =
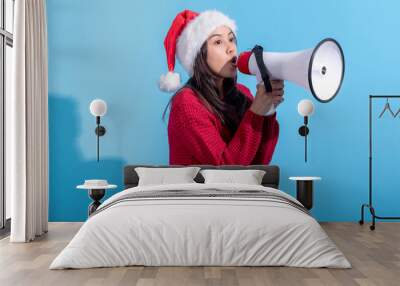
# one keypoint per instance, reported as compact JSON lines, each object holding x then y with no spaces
{"x":264,"y":101}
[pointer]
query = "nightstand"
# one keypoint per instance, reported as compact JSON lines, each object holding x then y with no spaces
{"x":304,"y":189}
{"x":96,"y":190}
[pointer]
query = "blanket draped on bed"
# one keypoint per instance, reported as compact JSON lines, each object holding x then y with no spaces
{"x":205,"y":194}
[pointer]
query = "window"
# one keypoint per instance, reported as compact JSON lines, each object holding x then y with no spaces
{"x":6,"y":44}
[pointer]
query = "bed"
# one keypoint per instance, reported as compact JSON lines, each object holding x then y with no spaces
{"x":201,"y":224}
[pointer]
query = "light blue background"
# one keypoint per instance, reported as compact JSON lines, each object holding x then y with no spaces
{"x":113,"y":50}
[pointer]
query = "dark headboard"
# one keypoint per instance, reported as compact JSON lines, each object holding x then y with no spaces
{"x":270,"y":179}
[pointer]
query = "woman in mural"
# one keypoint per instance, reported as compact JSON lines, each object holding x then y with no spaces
{"x":214,"y":120}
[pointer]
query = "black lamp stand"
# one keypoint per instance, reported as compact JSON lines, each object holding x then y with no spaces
{"x":100,"y":131}
{"x":303,"y":131}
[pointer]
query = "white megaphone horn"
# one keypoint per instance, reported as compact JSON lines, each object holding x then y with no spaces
{"x":320,"y":69}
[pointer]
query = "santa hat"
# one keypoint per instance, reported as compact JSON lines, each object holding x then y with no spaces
{"x":187,"y":34}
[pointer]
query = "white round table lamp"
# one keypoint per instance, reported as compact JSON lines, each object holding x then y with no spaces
{"x":305,"y":107}
{"x":98,"y":107}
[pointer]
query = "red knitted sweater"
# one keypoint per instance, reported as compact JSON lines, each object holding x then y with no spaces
{"x":197,"y":136}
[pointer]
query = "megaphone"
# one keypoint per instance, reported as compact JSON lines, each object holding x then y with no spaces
{"x":319,"y":69}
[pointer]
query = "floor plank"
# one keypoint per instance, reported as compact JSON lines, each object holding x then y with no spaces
{"x":374,"y":255}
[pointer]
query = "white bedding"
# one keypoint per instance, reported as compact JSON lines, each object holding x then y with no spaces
{"x":200,"y":231}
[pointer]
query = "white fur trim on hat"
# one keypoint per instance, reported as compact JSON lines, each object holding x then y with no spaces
{"x":196,"y":33}
{"x":170,"y":82}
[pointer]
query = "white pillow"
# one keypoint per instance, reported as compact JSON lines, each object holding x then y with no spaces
{"x":162,"y":176}
{"x":249,"y":177}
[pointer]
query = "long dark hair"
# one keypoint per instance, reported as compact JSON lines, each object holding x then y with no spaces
{"x":230,"y":108}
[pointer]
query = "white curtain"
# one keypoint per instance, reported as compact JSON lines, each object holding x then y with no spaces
{"x":27,"y":123}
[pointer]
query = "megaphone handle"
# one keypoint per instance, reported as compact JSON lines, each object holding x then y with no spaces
{"x":271,"y":111}
{"x":258,"y":54}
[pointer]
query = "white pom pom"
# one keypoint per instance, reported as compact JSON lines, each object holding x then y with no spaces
{"x":170,"y":82}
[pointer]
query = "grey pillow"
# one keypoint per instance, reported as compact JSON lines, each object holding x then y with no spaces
{"x":161,"y":176}
{"x":249,"y":177}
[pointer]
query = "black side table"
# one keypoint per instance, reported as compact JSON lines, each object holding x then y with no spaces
{"x":96,"y":190}
{"x":304,"y":190}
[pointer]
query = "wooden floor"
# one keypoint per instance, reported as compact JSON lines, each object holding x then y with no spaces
{"x":374,"y":255}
